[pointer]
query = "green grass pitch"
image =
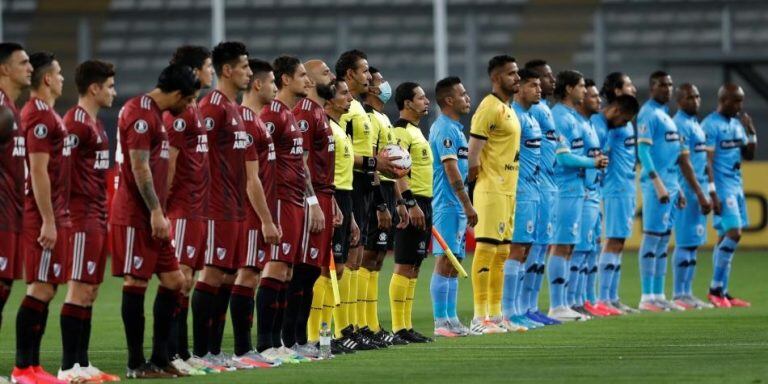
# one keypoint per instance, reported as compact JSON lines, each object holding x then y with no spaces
{"x":715,"y":346}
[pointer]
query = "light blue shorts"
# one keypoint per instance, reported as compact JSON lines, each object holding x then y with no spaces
{"x":619,"y":213}
{"x":525,"y":221}
{"x":657,"y":217}
{"x":733,"y":213}
{"x":568,"y":220}
{"x":545,"y":221}
{"x":453,"y":227}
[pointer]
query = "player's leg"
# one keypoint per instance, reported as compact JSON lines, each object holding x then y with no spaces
{"x":535,"y":264}
{"x":589,"y":295}
{"x":729,"y":225}
{"x":660,"y":270}
{"x":522,"y":238}
{"x":654,"y":229}
{"x":577,"y":279}
{"x":11,"y":251}
{"x":449,"y":225}
{"x":567,"y":232}
{"x":492,"y":212}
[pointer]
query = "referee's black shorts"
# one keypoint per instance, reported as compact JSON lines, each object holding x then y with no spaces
{"x":362,"y":197}
{"x":410,"y":242}
{"x":341,"y":235}
{"x":380,"y":240}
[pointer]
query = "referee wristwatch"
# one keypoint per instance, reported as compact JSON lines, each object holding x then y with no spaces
{"x":382,"y":207}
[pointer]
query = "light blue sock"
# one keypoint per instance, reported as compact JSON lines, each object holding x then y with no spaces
{"x":607,"y":266}
{"x":591,"y":295}
{"x":660,"y":273}
{"x":574,"y":275}
{"x":557,"y":270}
{"x":438,"y":287}
{"x":511,"y":285}
{"x":723,"y":256}
{"x":541,"y":261}
{"x":680,"y":270}
{"x":530,"y":271}
{"x":521,"y":310}
{"x":647,"y":257}
{"x":581,"y":290}
{"x":616,"y":279}
{"x":690,"y":272}
{"x":453,"y":298}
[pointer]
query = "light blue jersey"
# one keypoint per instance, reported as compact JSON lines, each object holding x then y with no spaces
{"x":618,"y":144}
{"x":725,"y":136}
{"x":656,"y":128}
{"x":569,"y":181}
{"x":446,"y":137}
{"x":530,"y":155}
{"x":543,"y":115}
{"x":693,"y":136}
{"x":592,"y":149}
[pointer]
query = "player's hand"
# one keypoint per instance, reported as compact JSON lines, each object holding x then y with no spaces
{"x":384,"y":219}
{"x":661,"y":191}
{"x":47,"y":238}
{"x":601,"y":161}
{"x":161,"y":227}
{"x":338,"y":217}
{"x":270,"y":232}
{"x":402,"y":212}
{"x":704,"y":204}
{"x":472,"y":174}
{"x":417,"y":217}
{"x":385,"y":164}
{"x":354,"y":237}
{"x":716,"y":207}
{"x":469,"y":210}
{"x":681,"y":200}
{"x":316,"y":219}
{"x":746,"y":121}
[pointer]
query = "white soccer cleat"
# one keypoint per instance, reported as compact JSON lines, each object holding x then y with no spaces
{"x":185,"y":368}
{"x":73,"y":375}
{"x":564,"y":314}
{"x":513,"y":327}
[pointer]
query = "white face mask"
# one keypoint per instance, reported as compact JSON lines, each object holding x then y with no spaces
{"x":385,"y":92}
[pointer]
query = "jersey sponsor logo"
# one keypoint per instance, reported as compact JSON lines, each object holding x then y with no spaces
{"x":731,"y":144}
{"x":221,"y":253}
{"x":577,"y":143}
{"x":271,"y":156}
{"x":234,"y":121}
{"x":629,"y":142}
{"x":672,"y":136}
{"x":209,"y":123}
{"x":19,"y":146}
{"x":140,"y":126}
{"x":447,"y":143}
{"x":164,"y":149}
{"x":331,"y":143}
{"x":202,"y":144}
{"x":303,"y":125}
{"x":700,"y":147}
{"x":40,"y":131}
{"x":270,"y":127}
{"x":66,"y":149}
{"x":533,"y":143}
{"x":138,"y":261}
{"x":550,"y":135}
{"x":91,"y":267}
{"x":463,"y":152}
{"x":298,"y":146}
{"x":179,"y":125}
{"x":593,"y":152}
{"x":102,"y":160}
{"x":3,"y":263}
{"x":241,"y":140}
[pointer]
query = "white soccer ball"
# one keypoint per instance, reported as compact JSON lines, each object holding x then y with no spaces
{"x":404,"y":160}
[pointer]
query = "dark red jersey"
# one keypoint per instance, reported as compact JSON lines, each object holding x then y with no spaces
{"x":227,"y":142}
{"x":289,"y":149}
{"x":139,"y":127}
{"x":90,"y":162}
{"x":45,"y":133}
{"x":12,"y":154}
{"x":318,"y":142}
{"x":188,"y":198}
{"x":261,"y":149}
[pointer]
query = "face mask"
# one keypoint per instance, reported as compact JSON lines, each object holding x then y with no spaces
{"x":385,"y":92}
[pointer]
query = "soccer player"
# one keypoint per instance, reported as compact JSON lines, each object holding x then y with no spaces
{"x":662,"y":154}
{"x":526,"y":211}
{"x":228,"y":143}
{"x":139,"y":228}
{"x":47,"y":221}
{"x":89,"y":158}
{"x":189,"y":178}
{"x":411,"y":237}
{"x":494,"y":145}
{"x":618,"y":143}
{"x":282,"y":286}
{"x":537,"y":256}
{"x":451,"y":206}
{"x":15,"y":76}
{"x":731,"y":137}
{"x":571,"y":163}
{"x":690,"y":221}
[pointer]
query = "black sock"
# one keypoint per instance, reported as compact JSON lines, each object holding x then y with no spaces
{"x":282,"y":300}
{"x":71,"y":321}
{"x":267,"y":306}
{"x":132,"y":311}
{"x":166,"y":302}
{"x":241,"y":311}
{"x":39,"y":336}
{"x":5,"y":291}
{"x":202,"y":308}
{"x":28,"y":322}
{"x":85,"y":339}
{"x":221,"y":304}
{"x":293,"y":299}
{"x":309,"y":275}
{"x":182,"y":338}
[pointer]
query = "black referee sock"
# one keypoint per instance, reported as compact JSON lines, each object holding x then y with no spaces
{"x":85,"y":339}
{"x":241,"y":310}
{"x":39,"y":336}
{"x":267,"y":306}
{"x":202,"y":310}
{"x":178,"y":345}
{"x":282,"y":300}
{"x":28,"y":323}
{"x":71,"y":322}
{"x":293,"y":299}
{"x":5,"y":291}
{"x":309,"y":275}
{"x":163,"y":313}
{"x":132,"y":311}
{"x":221,"y":304}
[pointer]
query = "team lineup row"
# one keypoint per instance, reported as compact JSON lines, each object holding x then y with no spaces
{"x":305,"y":185}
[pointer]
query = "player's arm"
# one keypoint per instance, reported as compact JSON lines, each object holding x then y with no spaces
{"x":402,"y":210}
{"x":142,"y":173}
{"x":6,"y":124}
{"x":748,"y":151}
{"x":173,"y":155}
{"x":383,"y":217}
{"x":338,"y":216}
{"x":711,"y":138}
{"x":415,"y":214}
{"x":41,"y":188}
{"x":644,"y":154}
{"x":316,"y":218}
{"x":476,"y":144}
{"x":570,"y":160}
{"x":258,"y":200}
{"x":451,"y":167}
{"x":690,"y":177}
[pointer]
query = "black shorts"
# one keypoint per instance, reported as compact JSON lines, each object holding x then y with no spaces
{"x":411,"y":243}
{"x":380,"y":240}
{"x":341,"y":235}
{"x":362,"y":197}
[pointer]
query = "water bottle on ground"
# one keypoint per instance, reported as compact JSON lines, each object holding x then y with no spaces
{"x":325,"y":342}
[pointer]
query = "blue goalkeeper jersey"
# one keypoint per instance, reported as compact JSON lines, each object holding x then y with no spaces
{"x":570,"y":126}
{"x":656,"y":128}
{"x":446,"y":137}
{"x":694,"y":138}
{"x":543,"y":115}
{"x":618,"y":143}
{"x":530,"y":155}
{"x":725,"y":136}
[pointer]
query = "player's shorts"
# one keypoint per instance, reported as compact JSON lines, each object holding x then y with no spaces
{"x":11,"y":258}
{"x":568,"y":213}
{"x":410,"y":242}
{"x":619,"y":215}
{"x":690,"y":224}
{"x":733,"y":213}
{"x":377,"y":239}
{"x":341,"y":235}
{"x":136,"y":253}
{"x":224,"y":243}
{"x":256,"y":249}
{"x":290,"y":219}
{"x":316,"y":249}
{"x":657,"y":217}
{"x":545,"y":219}
{"x":526,"y":214}
{"x":362,"y":199}
{"x":590,"y":217}
{"x":89,"y":255}
{"x":495,"y":215}
{"x":452,"y":226}
{"x":46,"y":265}
{"x":189,"y":240}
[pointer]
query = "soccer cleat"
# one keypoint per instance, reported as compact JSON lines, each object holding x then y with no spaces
{"x":701,"y":303}
{"x":606,"y":307}
{"x":288,"y":355}
{"x":477,"y":326}
{"x":718,"y":299}
{"x":526,"y":322}
{"x":667,"y":305}
{"x":649,"y":306}
{"x":564,"y":314}
{"x":383,"y":336}
{"x":104,"y":377}
{"x":23,"y":376}
{"x":685,"y":302}
{"x":173,"y":371}
{"x":43,"y":377}
{"x":198,"y":363}
{"x":580,"y":309}
{"x":455,"y":326}
{"x":148,"y":371}
{"x":4,"y":380}
{"x":510,"y":326}
{"x":183,"y":367}
{"x":256,"y":360}
{"x":214,"y":363}
{"x":594,"y":311}
{"x":306,"y":350}
{"x":418,"y":336}
{"x":342,"y":346}
{"x":370,"y":336}
{"x":736,"y":302}
{"x":542,"y":318}
{"x":443,"y":329}
{"x":626,"y":309}
{"x":274,"y":355}
{"x":361,"y":343}
{"x":491,"y":327}
{"x":397,"y":340}
{"x":77,"y":375}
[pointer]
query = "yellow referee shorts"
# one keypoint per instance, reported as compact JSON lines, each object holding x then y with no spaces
{"x":496,"y":217}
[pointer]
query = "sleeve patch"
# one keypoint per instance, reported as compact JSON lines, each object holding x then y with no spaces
{"x":40,"y":131}
{"x":141,"y":126}
{"x":179,"y":125}
{"x":447,"y":143}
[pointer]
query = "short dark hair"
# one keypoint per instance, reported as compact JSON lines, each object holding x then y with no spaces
{"x":92,"y":72}
{"x":41,"y":63}
{"x":499,"y":61}
{"x":527,"y":74}
{"x":193,"y":56}
{"x":284,"y":65}
{"x":589,"y":83}
{"x":7,"y":49}
{"x":227,"y":52}
{"x":656,"y":75}
{"x":177,"y":77}
{"x":258,"y":67}
{"x":444,"y":89}
{"x":626,"y":103}
{"x":613,"y":81}
{"x":567,"y":78}
{"x":348,"y":60}
{"x":535,"y":63}
{"x":405,"y":91}
{"x":373,"y":70}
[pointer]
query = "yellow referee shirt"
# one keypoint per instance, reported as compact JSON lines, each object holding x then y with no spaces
{"x":358,"y":125}
{"x":381,"y":132}
{"x":345,"y":158}
{"x":496,"y":123}
{"x":410,"y":138}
